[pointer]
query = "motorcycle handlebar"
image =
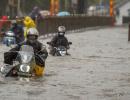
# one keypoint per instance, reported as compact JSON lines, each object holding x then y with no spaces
{"x":70,"y":43}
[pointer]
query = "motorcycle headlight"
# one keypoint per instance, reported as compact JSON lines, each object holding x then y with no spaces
{"x":62,"y":53}
{"x":25,"y":68}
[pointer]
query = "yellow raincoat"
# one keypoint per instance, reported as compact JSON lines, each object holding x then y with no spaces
{"x":39,"y":70}
{"x":29,"y":23}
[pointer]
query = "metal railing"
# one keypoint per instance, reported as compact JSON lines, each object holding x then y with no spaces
{"x":126,"y":19}
{"x":50,"y":24}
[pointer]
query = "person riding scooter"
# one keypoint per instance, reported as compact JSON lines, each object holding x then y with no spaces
{"x":9,"y":38}
{"x":18,"y":30}
{"x":39,"y":51}
{"x":59,"y":39}
{"x":28,"y":23}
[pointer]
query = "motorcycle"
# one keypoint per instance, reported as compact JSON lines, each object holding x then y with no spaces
{"x":60,"y":50}
{"x":24,"y":65}
{"x":9,"y":38}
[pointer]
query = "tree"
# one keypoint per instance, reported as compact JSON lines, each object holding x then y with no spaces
{"x":29,"y":4}
{"x":3,"y":5}
{"x":81,"y":6}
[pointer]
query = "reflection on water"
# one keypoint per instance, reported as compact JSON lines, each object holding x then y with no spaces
{"x":22,"y":80}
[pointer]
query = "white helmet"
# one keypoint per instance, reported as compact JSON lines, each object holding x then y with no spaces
{"x":32,"y":35}
{"x":32,"y":31}
{"x":10,"y":34}
{"x":61,"y":29}
{"x":13,"y":21}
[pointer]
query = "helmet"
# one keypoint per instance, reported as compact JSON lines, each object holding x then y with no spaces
{"x":29,"y":22}
{"x":14,"y":23}
{"x":32,"y":34}
{"x":16,"y":17}
{"x":4,"y":17}
{"x":27,"y":18}
{"x":32,"y":31}
{"x":10,"y":34}
{"x":61,"y":29}
{"x":36,"y":8}
{"x":9,"y":38}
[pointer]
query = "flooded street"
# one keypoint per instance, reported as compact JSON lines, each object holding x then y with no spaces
{"x":98,"y":69}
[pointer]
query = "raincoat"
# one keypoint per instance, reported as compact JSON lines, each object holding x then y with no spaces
{"x":29,"y":23}
{"x":4,"y":23}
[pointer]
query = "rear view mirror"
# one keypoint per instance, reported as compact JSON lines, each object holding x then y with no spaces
{"x":9,"y":40}
{"x":70,"y":43}
{"x":48,"y":42}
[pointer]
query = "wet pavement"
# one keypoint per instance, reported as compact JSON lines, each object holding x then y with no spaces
{"x":98,"y":69}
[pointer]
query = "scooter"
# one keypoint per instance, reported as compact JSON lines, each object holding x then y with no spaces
{"x":24,"y":65}
{"x":9,"y":38}
{"x":60,"y":50}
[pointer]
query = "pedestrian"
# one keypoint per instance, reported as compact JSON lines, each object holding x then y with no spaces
{"x":35,"y":13}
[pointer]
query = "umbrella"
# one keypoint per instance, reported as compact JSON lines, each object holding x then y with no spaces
{"x":63,"y":13}
{"x":45,"y":13}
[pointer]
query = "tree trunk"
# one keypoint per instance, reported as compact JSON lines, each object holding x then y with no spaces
{"x":81,"y":6}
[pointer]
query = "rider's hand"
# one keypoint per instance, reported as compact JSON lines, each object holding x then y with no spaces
{"x":68,"y":47}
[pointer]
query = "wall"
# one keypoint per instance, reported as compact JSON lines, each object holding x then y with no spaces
{"x":123,"y":11}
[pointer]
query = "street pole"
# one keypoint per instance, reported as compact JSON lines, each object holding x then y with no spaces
{"x":129,"y":33}
{"x":66,"y":5}
{"x":81,"y":6}
{"x":111,"y":8}
{"x":101,"y":10}
{"x":54,"y":7}
{"x":18,"y":8}
{"x":112,"y":11}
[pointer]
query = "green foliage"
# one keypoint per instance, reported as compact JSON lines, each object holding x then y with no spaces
{"x":29,"y":4}
{"x":2,"y":6}
{"x":105,"y":1}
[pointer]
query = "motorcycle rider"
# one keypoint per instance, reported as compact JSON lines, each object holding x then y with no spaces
{"x":28,"y":23}
{"x":32,"y":36}
{"x":18,"y":30}
{"x":9,"y":38}
{"x":35,"y":13}
{"x":4,"y":24}
{"x":59,"y":39}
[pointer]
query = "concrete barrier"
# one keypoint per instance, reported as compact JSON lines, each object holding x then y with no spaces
{"x":50,"y":24}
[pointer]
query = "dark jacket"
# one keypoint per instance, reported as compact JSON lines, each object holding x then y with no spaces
{"x":38,"y":49}
{"x":19,"y":32}
{"x":59,"y":40}
{"x":35,"y":13}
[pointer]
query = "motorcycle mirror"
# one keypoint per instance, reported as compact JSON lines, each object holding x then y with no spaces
{"x":11,"y":46}
{"x":70,"y":42}
{"x":48,"y":43}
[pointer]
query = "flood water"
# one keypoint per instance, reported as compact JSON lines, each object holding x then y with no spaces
{"x":98,"y":69}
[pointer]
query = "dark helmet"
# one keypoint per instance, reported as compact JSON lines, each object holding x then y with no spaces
{"x":36,"y":9}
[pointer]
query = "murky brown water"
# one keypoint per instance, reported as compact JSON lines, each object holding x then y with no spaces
{"x":98,"y":69}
